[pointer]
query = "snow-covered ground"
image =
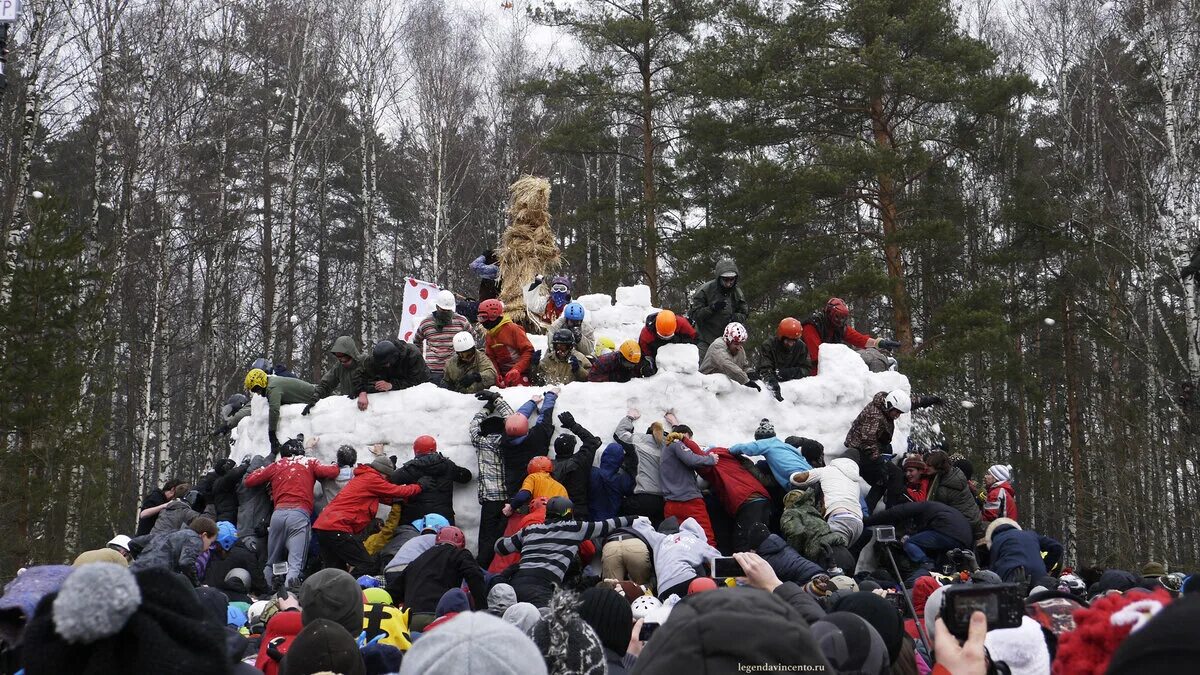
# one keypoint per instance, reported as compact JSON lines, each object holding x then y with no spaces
{"x":720,"y":411}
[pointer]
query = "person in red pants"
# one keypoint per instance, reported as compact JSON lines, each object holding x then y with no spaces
{"x":680,"y":459}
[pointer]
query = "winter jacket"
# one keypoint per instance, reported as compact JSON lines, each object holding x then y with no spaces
{"x":776,"y":363}
{"x":538,"y":485}
{"x":839,"y":486}
{"x":787,"y":563}
{"x":291,"y":480}
{"x":554,"y":370}
{"x":330,"y":487}
{"x":871,"y":431}
{"x":254,"y":503}
{"x":649,"y":340}
{"x":285,"y":391}
{"x":339,"y":379}
{"x":177,"y":514}
{"x":1014,"y":549}
{"x":516,"y":522}
{"x":783,"y":459}
{"x":574,"y":469}
{"x":243,"y":555}
{"x":355,"y":506}
{"x":436,"y":338}
{"x":676,"y":556}
{"x":153,"y":498}
{"x":176,"y":551}
{"x":518,"y":451}
{"x":436,"y":571}
{"x":730,"y":481}
{"x":509,"y":348}
{"x":649,"y":449}
{"x":803,"y":526}
{"x":411,"y":550}
{"x":718,"y":359}
{"x":548,"y":549}
{"x":926,"y":516}
{"x":408,"y":370}
{"x":677,"y":470}
{"x":612,"y":367}
{"x":802,"y":601}
{"x":818,"y":329}
{"x":460,"y":376}
{"x":608,"y":484}
{"x":951,"y":488}
{"x":1001,"y":502}
{"x":224,"y":494}
{"x":710,"y":322}
{"x":585,"y":334}
{"x":439,"y":498}
{"x":487,"y":433}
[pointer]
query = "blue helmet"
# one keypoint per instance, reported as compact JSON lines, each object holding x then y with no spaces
{"x":226,"y":534}
{"x":573,"y":311}
{"x":431,"y":521}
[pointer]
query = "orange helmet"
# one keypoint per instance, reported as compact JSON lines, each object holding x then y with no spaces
{"x":789,"y":329}
{"x":665,"y":324}
{"x":631,"y":352}
{"x":540,"y":464}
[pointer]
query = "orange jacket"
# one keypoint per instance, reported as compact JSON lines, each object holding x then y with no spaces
{"x":508,"y":347}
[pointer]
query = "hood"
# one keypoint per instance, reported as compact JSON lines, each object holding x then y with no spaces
{"x":690,"y":525}
{"x":613,"y":455}
{"x":345,"y":345}
{"x":725,"y":266}
{"x":453,"y":600}
{"x":922,"y":589}
{"x":771,"y":545}
{"x":847,"y":466}
{"x":323,"y":645}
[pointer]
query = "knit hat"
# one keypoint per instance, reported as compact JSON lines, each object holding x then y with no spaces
{"x":523,"y":615}
{"x":564,"y":446}
{"x":844,"y":583}
{"x":1100,"y":629}
{"x":851,"y":644}
{"x":383,"y":464}
{"x":452,"y":601}
{"x":820,"y":585}
{"x":566,"y":641}
{"x":765,"y":430}
{"x":474,"y":643}
{"x":1023,"y":648}
{"x":1151,"y":569}
{"x":914,"y":462}
{"x":332,"y":594}
{"x":1000,"y":472}
{"x":995,"y":525}
{"x":107,"y":555}
{"x":880,"y":613}
{"x":323,"y":646}
{"x":501,"y":597}
{"x":105,"y":619}
{"x":701,"y":584}
{"x":609,"y":615}
{"x":933,"y":609}
{"x":1165,"y":645}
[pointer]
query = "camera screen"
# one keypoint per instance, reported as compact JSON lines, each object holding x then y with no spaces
{"x":727,"y":567}
{"x":966,"y":605}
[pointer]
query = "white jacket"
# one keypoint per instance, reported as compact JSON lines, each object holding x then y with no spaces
{"x":839,"y":485}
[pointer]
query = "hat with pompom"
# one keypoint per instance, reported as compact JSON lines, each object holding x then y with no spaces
{"x":566,"y":641}
{"x":1101,"y":628}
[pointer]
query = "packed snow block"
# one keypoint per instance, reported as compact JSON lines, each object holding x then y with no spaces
{"x":719,"y":411}
{"x":595,"y":301}
{"x":636,"y":296}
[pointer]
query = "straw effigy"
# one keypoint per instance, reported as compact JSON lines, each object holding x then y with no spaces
{"x":527,"y":247}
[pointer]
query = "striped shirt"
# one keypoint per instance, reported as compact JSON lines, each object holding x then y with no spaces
{"x":438,"y":343}
{"x":549,"y":548}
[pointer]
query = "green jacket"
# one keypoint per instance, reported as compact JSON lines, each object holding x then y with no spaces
{"x":775,"y":363}
{"x":283,"y":391}
{"x":804,"y":527}
{"x":456,"y":370}
{"x":339,"y":379}
{"x":710,"y":323}
{"x":409,"y":370}
{"x":554,"y":370}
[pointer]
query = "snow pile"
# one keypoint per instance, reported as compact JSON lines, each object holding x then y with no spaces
{"x":720,"y":411}
{"x":620,"y":321}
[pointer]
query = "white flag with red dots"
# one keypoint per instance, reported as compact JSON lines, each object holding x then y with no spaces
{"x":419,"y":297}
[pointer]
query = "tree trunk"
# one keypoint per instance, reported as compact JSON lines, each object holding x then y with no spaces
{"x":1074,"y":429}
{"x":266,"y":246}
{"x":649,"y":192}
{"x":901,"y":317}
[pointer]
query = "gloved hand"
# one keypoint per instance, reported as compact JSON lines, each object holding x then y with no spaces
{"x":425,"y":483}
{"x":889,"y":344}
{"x":717,"y":306}
{"x":774,"y":387}
{"x":470,"y":379}
{"x":275,"y":445}
{"x":487,"y":395}
{"x":752,"y":374}
{"x":513,"y":378}
{"x":574,"y":361}
{"x":567,"y":419}
{"x":753,"y":385}
{"x":307,"y":409}
{"x":536,"y":282}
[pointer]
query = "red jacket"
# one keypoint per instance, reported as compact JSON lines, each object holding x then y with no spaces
{"x":1001,"y":502}
{"x":516,"y":523}
{"x":354,"y":507}
{"x":730,"y":481}
{"x":291,"y":480}
{"x":508,"y":347}
{"x":649,"y":340}
{"x":818,"y":331}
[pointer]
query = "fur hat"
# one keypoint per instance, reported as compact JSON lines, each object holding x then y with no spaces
{"x":566,"y":641}
{"x":765,"y":430}
{"x":995,"y":525}
{"x":914,"y":462}
{"x":1023,"y":648}
{"x":474,"y":643}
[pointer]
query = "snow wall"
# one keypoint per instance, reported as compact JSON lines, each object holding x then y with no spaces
{"x":718,"y":410}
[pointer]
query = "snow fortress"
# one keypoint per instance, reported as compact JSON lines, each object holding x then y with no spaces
{"x":718,"y":410}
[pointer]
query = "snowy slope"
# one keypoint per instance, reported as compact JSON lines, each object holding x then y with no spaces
{"x":718,"y":410}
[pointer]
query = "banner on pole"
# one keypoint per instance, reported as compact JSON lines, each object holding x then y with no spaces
{"x":419,"y":297}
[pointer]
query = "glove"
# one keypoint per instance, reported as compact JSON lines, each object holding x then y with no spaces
{"x":889,"y":344}
{"x":470,"y":379}
{"x":274,"y":441}
{"x":574,"y":363}
{"x":307,"y":408}
{"x":778,"y":394}
{"x":425,"y":483}
{"x":717,"y":306}
{"x":753,"y":374}
{"x":567,"y":419}
{"x":487,"y":395}
{"x":513,"y":378}
{"x":753,"y":385}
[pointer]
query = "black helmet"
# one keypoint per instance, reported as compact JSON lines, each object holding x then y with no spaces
{"x":563,"y":336}
{"x":347,"y":456}
{"x":559,"y":507}
{"x":385,"y":352}
{"x":222,"y":467}
{"x":233,"y":404}
{"x":292,"y":447}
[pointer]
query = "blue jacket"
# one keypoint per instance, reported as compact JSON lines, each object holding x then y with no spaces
{"x":788,"y":564}
{"x":1013,"y":549}
{"x":608,"y":484}
{"x":783,"y":459}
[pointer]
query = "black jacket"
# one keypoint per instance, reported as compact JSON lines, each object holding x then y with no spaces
{"x":927,"y":516}
{"x":438,"y":498}
{"x":436,"y":571}
{"x":517,"y":456}
{"x":241,"y":555}
{"x":788,"y":564}
{"x":224,"y":494}
{"x":776,"y":363}
{"x":408,"y":370}
{"x":574,"y":471}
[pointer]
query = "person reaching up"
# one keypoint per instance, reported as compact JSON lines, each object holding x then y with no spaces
{"x":538,"y":484}
{"x":829,"y":325}
{"x":390,"y":367}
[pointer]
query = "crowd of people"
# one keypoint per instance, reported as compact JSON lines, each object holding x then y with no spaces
{"x":654,"y":552}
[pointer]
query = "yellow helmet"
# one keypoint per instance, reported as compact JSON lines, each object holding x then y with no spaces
{"x":256,"y":378}
{"x":605,"y":345}
{"x":631,"y":351}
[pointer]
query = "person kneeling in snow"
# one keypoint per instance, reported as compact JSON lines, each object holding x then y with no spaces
{"x":390,"y":366}
{"x":470,"y":370}
{"x":784,"y":357}
{"x":727,"y":354}
{"x":563,"y":364}
{"x":678,"y":549}
{"x":622,"y":365}
{"x":506,"y":345}
{"x":573,"y":320}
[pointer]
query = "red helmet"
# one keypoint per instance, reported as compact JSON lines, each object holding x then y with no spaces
{"x":424,"y":445}
{"x":837,"y":311}
{"x":516,"y":425}
{"x":540,"y":464}
{"x":490,"y":310}
{"x":451,"y":535}
{"x":790,"y":329}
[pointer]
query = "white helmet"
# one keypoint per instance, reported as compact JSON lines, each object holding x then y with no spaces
{"x":898,"y":399}
{"x":643,"y":605}
{"x":445,"y":300}
{"x":121,"y":540}
{"x":735,"y":333}
{"x":464,"y":341}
